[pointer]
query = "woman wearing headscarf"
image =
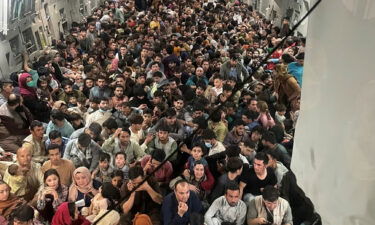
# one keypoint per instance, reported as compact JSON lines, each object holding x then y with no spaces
{"x":67,"y":214}
{"x":83,"y":186}
{"x":8,"y":201}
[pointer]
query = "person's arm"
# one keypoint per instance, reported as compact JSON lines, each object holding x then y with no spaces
{"x":242,"y":187}
{"x":252,"y":215}
{"x":109,"y":145}
{"x":25,"y":62}
{"x":214,"y":208}
{"x":138,"y":152}
{"x":288,"y":218}
{"x":156,"y":197}
{"x":68,"y":148}
{"x":242,"y":215}
{"x":128,"y":205}
{"x":95,"y":155}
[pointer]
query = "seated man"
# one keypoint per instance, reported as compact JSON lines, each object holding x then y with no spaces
{"x":35,"y":142}
{"x":269,"y":208}
{"x":32,"y":172}
{"x":83,"y":152}
{"x":54,"y":137}
{"x":120,"y":142}
{"x":228,"y":208}
{"x":161,"y":141}
{"x":59,"y":123}
{"x":149,"y":163}
{"x":176,"y":128}
{"x":237,"y":135}
{"x":146,"y":199}
{"x":181,"y":205}
{"x":213,"y":145}
{"x":253,"y":181}
{"x":101,"y":115}
{"x":65,"y":168}
{"x":93,"y":130}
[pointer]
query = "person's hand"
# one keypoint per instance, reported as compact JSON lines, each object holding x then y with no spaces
{"x":184,"y":148}
{"x":130,"y":186}
{"x":149,"y":138}
{"x":117,"y":132}
{"x":182,"y":208}
{"x":143,"y":187}
{"x":147,"y":166}
{"x":186,"y":173}
{"x":142,"y":106}
{"x":262,"y":220}
{"x":193,"y":188}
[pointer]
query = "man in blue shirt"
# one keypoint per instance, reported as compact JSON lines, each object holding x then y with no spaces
{"x":181,"y":205}
{"x":296,"y":68}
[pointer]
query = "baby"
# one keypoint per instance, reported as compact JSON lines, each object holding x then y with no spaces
{"x":18,"y":180}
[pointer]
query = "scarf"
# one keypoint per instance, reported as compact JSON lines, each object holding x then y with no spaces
{"x":24,"y":89}
{"x":7,"y":206}
{"x":62,"y":217}
{"x":74,"y":188}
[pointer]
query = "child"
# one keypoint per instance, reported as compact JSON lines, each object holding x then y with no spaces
{"x":107,"y":197}
{"x":18,"y":181}
{"x":72,"y":102}
{"x":102,"y":173}
{"x":280,"y":113}
{"x":117,"y":178}
{"x":196,"y":154}
{"x":120,"y":164}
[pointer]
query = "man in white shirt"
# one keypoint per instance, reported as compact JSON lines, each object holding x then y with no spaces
{"x":227,"y":209}
{"x":100,"y":115}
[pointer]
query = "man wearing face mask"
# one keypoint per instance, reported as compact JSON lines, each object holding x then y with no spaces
{"x":214,"y":146}
{"x":15,"y":120}
{"x":227,"y":209}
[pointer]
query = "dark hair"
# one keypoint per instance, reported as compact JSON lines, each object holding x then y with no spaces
{"x":171,"y":112}
{"x":57,"y":115}
{"x":103,"y":99}
{"x":110,"y":192}
{"x":120,"y":153}
{"x":135,"y":172}
{"x":269,"y":137}
{"x":52,"y":172}
{"x":262,"y":156}
{"x":270,"y":193}
{"x":208,"y":134}
{"x":117,"y":173}
{"x":95,"y":100}
{"x":231,"y":185}
{"x":72,"y":209}
{"x":233,"y":164}
{"x":54,"y":134}
{"x":249,"y":143}
{"x":136,"y":119}
{"x":35,"y":123}
{"x":280,"y":107}
{"x":163,"y":128}
{"x":23,"y":213}
{"x":216,"y":116}
{"x":180,"y":182}
{"x":271,"y":153}
{"x":110,"y":123}
{"x":258,"y":129}
{"x":239,"y":122}
{"x":158,"y":155}
{"x":12,"y":101}
{"x":84,"y":140}
{"x":104,"y":156}
{"x":233,"y":151}
{"x":66,"y":83}
{"x":53,"y":147}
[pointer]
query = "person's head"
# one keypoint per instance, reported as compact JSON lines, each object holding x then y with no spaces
{"x":54,"y":154}
{"x":209,"y":138}
{"x":253,"y":105}
{"x":239,"y":127}
{"x":116,"y":178}
{"x":67,"y":86}
{"x":155,"y":67}
{"x":37,"y":129}
{"x":101,"y":82}
{"x":197,"y":152}
{"x":94,"y":103}
{"x":147,"y":116}
{"x":232,"y":193}
{"x":4,"y":191}
{"x":57,"y":118}
{"x":120,"y":159}
{"x":24,"y":157}
{"x":260,"y":162}
{"x":233,"y":151}
{"x":234,"y":165}
{"x":136,"y":122}
{"x":110,"y":125}
{"x":201,"y":87}
{"x":182,"y":191}
{"x":156,"y":76}
{"x":103,"y":105}
{"x":94,"y":130}
{"x":280,"y":109}
{"x":6,"y":86}
{"x":55,"y":137}
{"x":119,"y":91}
{"x":272,"y":158}
{"x":198,"y":170}
{"x":157,"y":157}
{"x":248,"y":148}
{"x":270,"y":195}
{"x":300,"y":58}
{"x":178,"y":102}
{"x":256,"y":133}
{"x":23,"y":215}
{"x":171,"y":116}
{"x":258,"y":88}
{"x":136,"y":175}
{"x":199,"y":72}
{"x":262,"y":107}
{"x":163,"y":133}
{"x":52,"y":179}
{"x":104,"y":159}
{"x":84,"y":141}
{"x":81,"y":177}
{"x":269,"y":139}
{"x":218,"y":81}
{"x":15,"y":103}
{"x":72,"y":209}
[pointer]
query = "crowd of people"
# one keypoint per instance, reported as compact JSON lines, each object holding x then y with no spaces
{"x":141,"y":85}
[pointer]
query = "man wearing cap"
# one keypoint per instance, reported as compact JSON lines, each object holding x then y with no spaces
{"x":6,"y":88}
{"x":15,"y":120}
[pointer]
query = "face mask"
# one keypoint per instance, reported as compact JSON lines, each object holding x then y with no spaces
{"x":19,"y":109}
{"x":208,"y":144}
{"x":102,"y":110}
{"x":280,"y":118}
{"x":29,"y":84}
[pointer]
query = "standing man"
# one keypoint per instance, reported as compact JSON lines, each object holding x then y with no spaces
{"x":228,"y":208}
